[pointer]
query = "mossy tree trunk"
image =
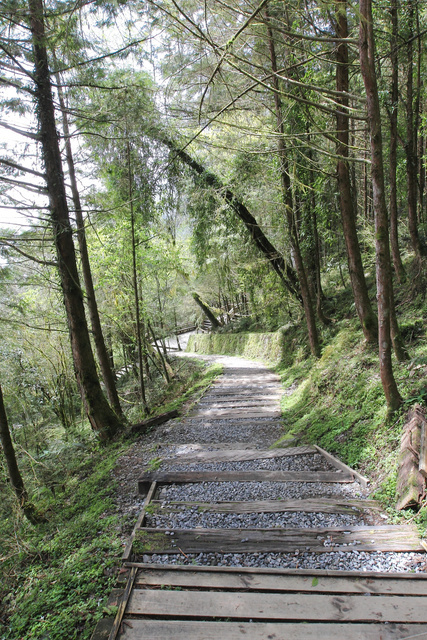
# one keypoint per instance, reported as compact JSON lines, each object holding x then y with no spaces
{"x":382,"y":247}
{"x":394,"y":236}
{"x":348,"y":215}
{"x":13,"y":469}
{"x":98,"y":336}
{"x":102,"y":418}
{"x":289,"y":207}
{"x":207,"y":311}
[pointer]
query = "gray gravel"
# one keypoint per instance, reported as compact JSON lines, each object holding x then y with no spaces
{"x":191,"y":518}
{"x":338,"y":560}
{"x":177,"y":437}
{"x":262,"y":432}
{"x":228,"y":491}
{"x":305,"y":462}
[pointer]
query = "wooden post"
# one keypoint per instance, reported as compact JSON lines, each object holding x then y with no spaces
{"x":423,"y":446}
{"x":410,"y":482}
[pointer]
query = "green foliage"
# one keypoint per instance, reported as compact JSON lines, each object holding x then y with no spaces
{"x":274,"y":347}
{"x":62,"y":572}
{"x":57,"y":577}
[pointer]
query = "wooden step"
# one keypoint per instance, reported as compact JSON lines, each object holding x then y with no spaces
{"x":233,"y":398}
{"x":245,"y":578}
{"x":240,"y":454}
{"x":319,"y":540}
{"x":193,"y":630}
{"x":307,"y":505}
{"x":207,"y":603}
{"x":238,"y":412}
{"x":274,"y":606}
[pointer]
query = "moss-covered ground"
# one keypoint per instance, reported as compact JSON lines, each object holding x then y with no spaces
{"x":56,"y":577}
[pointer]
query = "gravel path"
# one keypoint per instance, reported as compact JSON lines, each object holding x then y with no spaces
{"x":239,"y":428}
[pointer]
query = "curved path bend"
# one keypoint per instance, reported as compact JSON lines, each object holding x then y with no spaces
{"x":240,"y":540}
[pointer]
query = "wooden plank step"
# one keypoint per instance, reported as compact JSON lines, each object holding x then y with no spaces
{"x":140,"y":522}
{"x":176,"y":477}
{"x":240,"y":404}
{"x":241,"y":454}
{"x":194,"y":630}
{"x":333,"y":573}
{"x":342,"y":466}
{"x":240,"y":412}
{"x":262,"y":377}
{"x":232,"y":398}
{"x":364,"y":538}
{"x":308,"y":505}
{"x":274,"y":606}
{"x":255,"y":392}
{"x":245,"y":385}
{"x":255,"y":581}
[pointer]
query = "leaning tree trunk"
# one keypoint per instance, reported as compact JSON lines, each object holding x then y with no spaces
{"x":289,"y":208}
{"x":216,"y":324}
{"x":348,"y":216}
{"x":12,"y":468}
{"x":275,"y":259}
{"x":102,"y":418}
{"x":98,"y":336}
{"x":382,"y":248}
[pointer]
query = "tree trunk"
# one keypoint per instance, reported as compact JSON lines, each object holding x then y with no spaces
{"x":382,"y":249}
{"x":284,"y":270}
{"x":410,"y":147}
{"x":102,"y":418}
{"x":207,"y":311}
{"x":289,"y":208}
{"x":419,"y":144}
{"x":348,"y":216}
{"x":98,"y":336}
{"x":316,"y":242}
{"x":12,"y":467}
{"x":135,"y":289}
{"x":394,"y":238}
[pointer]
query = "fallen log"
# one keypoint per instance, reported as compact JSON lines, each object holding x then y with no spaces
{"x":410,"y":482}
{"x":145,"y":425}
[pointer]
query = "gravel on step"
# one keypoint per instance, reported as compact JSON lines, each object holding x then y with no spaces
{"x":191,"y":518}
{"x":229,"y":491}
{"x":305,"y":462}
{"x":340,"y":560}
{"x":263,"y":432}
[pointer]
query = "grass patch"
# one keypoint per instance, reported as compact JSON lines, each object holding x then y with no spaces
{"x":56,"y":577}
{"x":55,"y":584}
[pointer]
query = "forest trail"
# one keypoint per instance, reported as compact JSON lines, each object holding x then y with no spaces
{"x":237,"y":539}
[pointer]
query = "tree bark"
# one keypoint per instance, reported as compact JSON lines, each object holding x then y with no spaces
{"x":382,"y":248}
{"x":289,"y":208}
{"x":348,"y":216}
{"x":410,"y":145}
{"x":316,"y":241}
{"x":98,"y":336}
{"x":207,"y":311}
{"x":394,"y":238}
{"x":102,"y":418}
{"x":13,"y":469}
{"x":419,"y":142}
{"x":135,"y":289}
